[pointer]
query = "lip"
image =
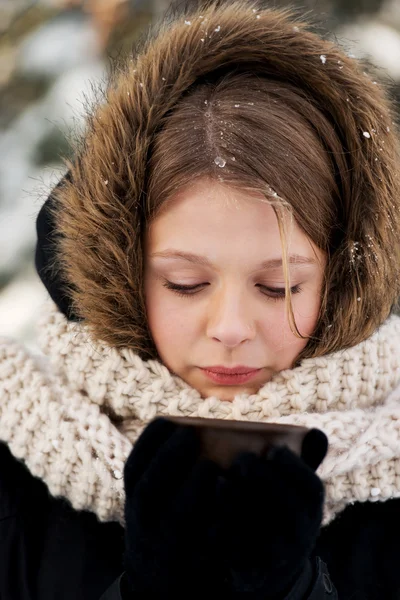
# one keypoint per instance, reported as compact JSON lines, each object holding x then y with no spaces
{"x":238,"y":370}
{"x":230,"y":376}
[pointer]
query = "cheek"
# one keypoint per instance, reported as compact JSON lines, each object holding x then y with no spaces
{"x":287,"y":345}
{"x":306,"y":310}
{"x":167,"y":321}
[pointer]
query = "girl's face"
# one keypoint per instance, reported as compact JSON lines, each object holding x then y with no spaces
{"x":214,"y":286}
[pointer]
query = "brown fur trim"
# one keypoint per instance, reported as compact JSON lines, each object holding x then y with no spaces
{"x":102,"y":212}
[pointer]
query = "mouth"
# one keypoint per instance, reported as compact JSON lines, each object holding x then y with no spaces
{"x":230,"y":376}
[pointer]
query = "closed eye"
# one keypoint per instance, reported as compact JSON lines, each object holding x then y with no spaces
{"x":279,"y":293}
{"x":190,"y":290}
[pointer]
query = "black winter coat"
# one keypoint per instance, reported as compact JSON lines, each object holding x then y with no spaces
{"x":49,"y":551}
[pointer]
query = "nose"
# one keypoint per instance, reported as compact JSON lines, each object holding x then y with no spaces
{"x":230,"y":319}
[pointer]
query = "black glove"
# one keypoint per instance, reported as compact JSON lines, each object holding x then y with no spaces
{"x":193,"y":528}
{"x":269,"y":516}
{"x":170,"y":500}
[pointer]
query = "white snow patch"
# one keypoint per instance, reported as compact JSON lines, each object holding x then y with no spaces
{"x":221,"y":162}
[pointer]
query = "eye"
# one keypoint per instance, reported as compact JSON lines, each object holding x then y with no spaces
{"x":190,"y":290}
{"x":279,"y":293}
{"x":183,"y":290}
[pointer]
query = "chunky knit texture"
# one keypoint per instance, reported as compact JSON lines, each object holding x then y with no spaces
{"x":73,"y":413}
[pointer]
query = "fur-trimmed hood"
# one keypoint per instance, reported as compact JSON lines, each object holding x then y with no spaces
{"x":98,"y":211}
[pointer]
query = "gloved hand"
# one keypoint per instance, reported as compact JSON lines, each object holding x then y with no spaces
{"x":269,"y":515}
{"x":170,"y":500}
{"x":193,"y":528}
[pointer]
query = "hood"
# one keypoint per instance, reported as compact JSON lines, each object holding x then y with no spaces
{"x":90,"y":229}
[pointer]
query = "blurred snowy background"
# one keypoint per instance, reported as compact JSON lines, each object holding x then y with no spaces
{"x":50,"y":52}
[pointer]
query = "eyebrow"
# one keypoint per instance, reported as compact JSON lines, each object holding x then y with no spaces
{"x":271,"y":263}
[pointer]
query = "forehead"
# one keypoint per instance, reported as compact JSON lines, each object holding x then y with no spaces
{"x":210,"y":216}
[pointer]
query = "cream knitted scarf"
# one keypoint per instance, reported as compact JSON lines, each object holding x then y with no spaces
{"x":73,"y":416}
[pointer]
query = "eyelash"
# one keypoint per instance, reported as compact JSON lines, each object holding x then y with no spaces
{"x":190,"y":290}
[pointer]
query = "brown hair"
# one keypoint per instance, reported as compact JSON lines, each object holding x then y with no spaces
{"x":263,"y":104}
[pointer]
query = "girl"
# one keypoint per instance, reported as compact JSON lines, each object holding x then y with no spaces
{"x":224,"y":245}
